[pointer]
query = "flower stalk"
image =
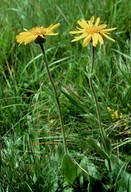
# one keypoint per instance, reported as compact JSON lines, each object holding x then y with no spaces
{"x":56,"y":96}
{"x":102,"y":132}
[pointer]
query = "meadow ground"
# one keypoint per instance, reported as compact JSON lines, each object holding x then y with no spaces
{"x":32,"y":153}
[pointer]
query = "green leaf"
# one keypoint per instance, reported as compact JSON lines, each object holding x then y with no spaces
{"x":107,"y":146}
{"x":60,"y":152}
{"x":119,"y":171}
{"x":96,"y":145}
{"x":69,"y":168}
{"x":90,"y":168}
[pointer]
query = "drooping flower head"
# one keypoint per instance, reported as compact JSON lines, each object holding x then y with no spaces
{"x":37,"y":34}
{"x":91,"y":32}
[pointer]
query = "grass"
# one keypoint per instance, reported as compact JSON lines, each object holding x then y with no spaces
{"x":32,"y":157}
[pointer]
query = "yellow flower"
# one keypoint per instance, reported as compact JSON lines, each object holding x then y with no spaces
{"x":115,"y":115}
{"x":36,"y":34}
{"x":91,"y":32}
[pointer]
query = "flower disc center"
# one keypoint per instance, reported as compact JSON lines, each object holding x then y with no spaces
{"x":93,"y":30}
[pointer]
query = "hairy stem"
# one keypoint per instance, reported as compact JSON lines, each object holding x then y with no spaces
{"x":102,"y":132}
{"x":56,"y":97}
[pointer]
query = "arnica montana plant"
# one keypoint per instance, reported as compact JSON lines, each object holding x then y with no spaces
{"x":38,"y":35}
{"x":92,"y":33}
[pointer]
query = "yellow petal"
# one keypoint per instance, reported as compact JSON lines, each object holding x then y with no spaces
{"x":25,"y":29}
{"x":91,"y":20}
{"x":83,"y":23}
{"x":95,"y":39}
{"x":86,"y":41}
{"x":102,"y":26}
{"x":107,"y":36}
{"x":110,"y":29}
{"x":30,"y":39}
{"x":100,"y":39}
{"x":75,"y":32}
{"x":52,"y":33}
{"x":75,"y":39}
{"x":97,"y":21}
{"x":79,"y":37}
{"x":80,"y":29}
{"x":42,"y":36}
{"x":52,"y":27}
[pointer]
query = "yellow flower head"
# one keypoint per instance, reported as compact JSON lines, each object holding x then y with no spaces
{"x":36,"y":34}
{"x":91,"y":32}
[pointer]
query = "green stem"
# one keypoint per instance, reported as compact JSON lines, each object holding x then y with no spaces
{"x":95,"y":98}
{"x":56,"y":97}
